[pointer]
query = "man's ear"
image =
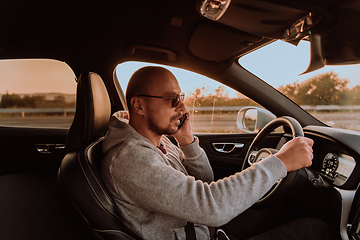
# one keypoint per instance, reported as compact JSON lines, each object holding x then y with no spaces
{"x":137,"y":105}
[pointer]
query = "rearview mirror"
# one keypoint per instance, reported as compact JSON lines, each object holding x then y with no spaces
{"x":252,"y":119}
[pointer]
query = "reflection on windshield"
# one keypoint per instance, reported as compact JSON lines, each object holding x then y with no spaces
{"x":329,"y":94}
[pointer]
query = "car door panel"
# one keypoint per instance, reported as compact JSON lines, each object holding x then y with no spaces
{"x":225,"y":162}
{"x":31,"y":149}
{"x":29,"y":161}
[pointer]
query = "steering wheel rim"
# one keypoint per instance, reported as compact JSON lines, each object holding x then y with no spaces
{"x":281,"y":187}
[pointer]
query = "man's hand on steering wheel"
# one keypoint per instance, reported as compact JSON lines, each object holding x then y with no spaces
{"x":297,"y":153}
{"x":296,"y":156}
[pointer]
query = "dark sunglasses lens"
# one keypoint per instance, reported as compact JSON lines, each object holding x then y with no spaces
{"x":175,"y":100}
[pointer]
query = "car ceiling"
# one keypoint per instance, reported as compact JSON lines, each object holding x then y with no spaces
{"x":98,"y":35}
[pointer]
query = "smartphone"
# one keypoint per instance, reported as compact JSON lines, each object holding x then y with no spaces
{"x":182,"y":120}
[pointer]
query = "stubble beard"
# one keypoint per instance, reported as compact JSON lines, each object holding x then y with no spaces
{"x":153,"y":126}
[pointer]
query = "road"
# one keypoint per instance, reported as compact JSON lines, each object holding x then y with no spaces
{"x":53,"y":121}
{"x":349,"y":120}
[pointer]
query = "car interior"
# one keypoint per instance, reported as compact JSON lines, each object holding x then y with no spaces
{"x":50,"y":182}
{"x":80,"y":168}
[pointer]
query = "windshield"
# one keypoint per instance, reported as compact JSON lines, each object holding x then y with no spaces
{"x":330,"y":94}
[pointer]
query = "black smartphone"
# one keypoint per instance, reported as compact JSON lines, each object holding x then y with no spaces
{"x":182,"y":120}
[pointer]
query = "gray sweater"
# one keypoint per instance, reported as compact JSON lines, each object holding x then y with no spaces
{"x":158,"y":193}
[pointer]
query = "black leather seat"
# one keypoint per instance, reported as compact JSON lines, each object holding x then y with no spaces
{"x":79,"y":186}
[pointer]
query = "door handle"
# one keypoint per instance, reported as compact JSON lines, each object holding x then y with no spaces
{"x":48,"y":148}
{"x":227,"y":147}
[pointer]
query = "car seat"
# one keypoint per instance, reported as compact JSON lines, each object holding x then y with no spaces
{"x":79,"y":186}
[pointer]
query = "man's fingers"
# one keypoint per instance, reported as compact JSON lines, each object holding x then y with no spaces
{"x":308,"y":141}
{"x":297,"y":153}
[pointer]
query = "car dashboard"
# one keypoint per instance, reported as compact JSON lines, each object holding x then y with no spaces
{"x":336,"y":152}
{"x":337,"y":167}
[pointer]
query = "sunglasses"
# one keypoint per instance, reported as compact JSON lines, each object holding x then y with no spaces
{"x":175,"y":99}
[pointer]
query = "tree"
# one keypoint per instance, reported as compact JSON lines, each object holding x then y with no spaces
{"x":38,"y":101}
{"x":32,"y":101}
{"x":353,"y":97}
{"x":290,"y":90}
{"x":10,"y":100}
{"x":322,"y":89}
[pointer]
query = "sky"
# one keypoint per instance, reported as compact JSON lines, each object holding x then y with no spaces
{"x":278,"y":64}
{"x":188,"y":81}
{"x":36,"y":76}
{"x":281,"y":68}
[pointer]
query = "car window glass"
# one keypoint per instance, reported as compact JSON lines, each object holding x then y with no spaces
{"x":214,"y":107}
{"x":36,"y":93}
{"x":330,"y":94}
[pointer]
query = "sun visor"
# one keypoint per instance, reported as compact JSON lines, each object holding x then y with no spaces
{"x":216,"y":43}
{"x":256,"y":17}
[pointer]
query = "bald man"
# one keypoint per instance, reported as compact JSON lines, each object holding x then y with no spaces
{"x":160,"y":187}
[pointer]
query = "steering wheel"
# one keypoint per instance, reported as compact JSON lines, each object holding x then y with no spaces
{"x":254,"y":154}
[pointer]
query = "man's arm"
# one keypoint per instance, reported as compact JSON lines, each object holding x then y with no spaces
{"x":140,"y":176}
{"x":197,"y":162}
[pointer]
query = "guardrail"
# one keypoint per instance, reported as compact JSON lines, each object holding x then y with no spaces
{"x":65,"y":111}
{"x":332,"y":108}
{"x":317,"y":108}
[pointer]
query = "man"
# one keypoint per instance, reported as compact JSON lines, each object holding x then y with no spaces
{"x":158,"y":186}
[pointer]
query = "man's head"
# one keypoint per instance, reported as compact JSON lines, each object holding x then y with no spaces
{"x":152,"y":98}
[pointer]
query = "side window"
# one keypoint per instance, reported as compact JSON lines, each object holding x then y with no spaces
{"x":213,"y":106}
{"x":36,"y":93}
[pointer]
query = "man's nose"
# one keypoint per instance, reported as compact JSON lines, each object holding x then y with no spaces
{"x":181,"y":106}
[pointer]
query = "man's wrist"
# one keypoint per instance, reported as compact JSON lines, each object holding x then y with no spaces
{"x":192,"y":150}
{"x":186,"y":140}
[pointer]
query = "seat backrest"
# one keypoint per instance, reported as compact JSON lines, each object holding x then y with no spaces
{"x":93,"y":111}
{"x":79,"y":186}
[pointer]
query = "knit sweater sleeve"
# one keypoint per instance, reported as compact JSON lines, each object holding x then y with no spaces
{"x":140,"y":174}
{"x":197,"y":162}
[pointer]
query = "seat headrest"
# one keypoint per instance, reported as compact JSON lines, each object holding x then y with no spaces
{"x":93,"y":111}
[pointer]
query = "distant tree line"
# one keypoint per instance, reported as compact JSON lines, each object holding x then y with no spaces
{"x":322,"y":89}
{"x":28,"y":101}
{"x":220,"y":98}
